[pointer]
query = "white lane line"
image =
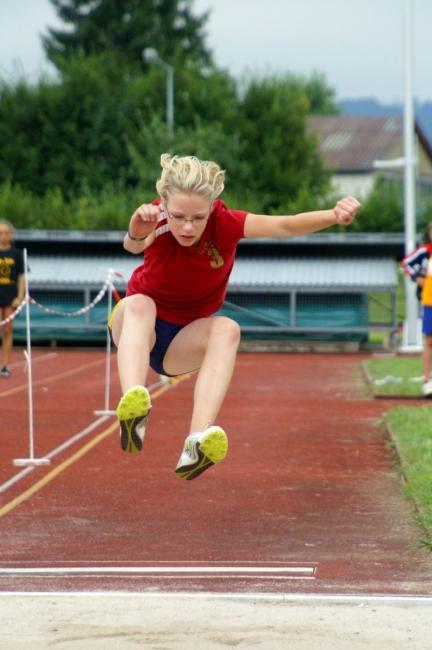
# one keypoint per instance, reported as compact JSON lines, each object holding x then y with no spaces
{"x":52,"y":454}
{"x":70,"y":441}
{"x":39,"y":357}
{"x":157,"y":577}
{"x":299,"y":598}
{"x":157,"y":570}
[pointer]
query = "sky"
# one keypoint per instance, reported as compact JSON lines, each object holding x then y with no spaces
{"x":358,"y":45}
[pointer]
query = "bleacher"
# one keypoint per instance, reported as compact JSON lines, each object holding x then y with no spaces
{"x":325,"y":286}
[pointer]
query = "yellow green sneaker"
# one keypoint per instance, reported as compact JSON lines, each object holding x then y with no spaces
{"x":201,"y":451}
{"x":133,"y":411}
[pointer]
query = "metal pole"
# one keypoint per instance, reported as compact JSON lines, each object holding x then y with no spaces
{"x":29,"y":360}
{"x":170,"y":99}
{"x":108,"y":354}
{"x":411,"y":342}
{"x":31,"y":460}
{"x":151,"y":55}
{"x":106,"y":410}
{"x":409,"y":126}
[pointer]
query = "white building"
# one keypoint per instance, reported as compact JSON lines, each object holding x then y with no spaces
{"x":351,"y":145}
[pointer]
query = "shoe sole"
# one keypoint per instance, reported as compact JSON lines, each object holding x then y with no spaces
{"x":211,"y":450}
{"x":133,"y":407}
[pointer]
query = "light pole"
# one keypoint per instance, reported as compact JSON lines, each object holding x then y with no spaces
{"x":411,"y":337}
{"x":150,"y":55}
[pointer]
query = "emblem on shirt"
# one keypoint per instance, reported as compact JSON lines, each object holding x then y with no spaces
{"x":216,"y":259}
{"x":6,"y":264}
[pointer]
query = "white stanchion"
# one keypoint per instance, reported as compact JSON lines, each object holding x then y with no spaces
{"x":31,"y":460}
{"x":108,"y":286}
{"x":106,"y":410}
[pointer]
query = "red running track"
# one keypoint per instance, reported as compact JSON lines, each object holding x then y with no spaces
{"x":308,"y":500}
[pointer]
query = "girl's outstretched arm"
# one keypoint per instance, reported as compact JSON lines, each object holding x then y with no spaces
{"x":261,"y":225}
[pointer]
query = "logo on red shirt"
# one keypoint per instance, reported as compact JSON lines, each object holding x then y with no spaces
{"x":216,"y":260}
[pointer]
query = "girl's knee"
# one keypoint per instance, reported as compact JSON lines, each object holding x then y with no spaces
{"x":139,"y":305}
{"x":228,"y":328}
{"x":129,"y":311}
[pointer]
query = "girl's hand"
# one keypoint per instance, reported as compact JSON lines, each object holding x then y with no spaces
{"x":345,"y":210}
{"x":144,"y":220}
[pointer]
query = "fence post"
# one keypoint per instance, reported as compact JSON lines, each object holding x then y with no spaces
{"x":31,"y":460}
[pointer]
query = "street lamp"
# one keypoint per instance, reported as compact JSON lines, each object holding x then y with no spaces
{"x":150,"y":55}
{"x":412,"y":337}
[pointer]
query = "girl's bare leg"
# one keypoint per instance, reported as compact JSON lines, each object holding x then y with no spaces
{"x":209,"y":344}
{"x":133,"y":333}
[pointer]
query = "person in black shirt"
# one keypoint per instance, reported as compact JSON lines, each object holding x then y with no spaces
{"x":12,"y":288}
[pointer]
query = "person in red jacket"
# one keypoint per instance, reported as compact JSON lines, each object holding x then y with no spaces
{"x":418,"y":266}
{"x":167,"y":319}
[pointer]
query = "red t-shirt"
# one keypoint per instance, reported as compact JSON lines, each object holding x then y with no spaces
{"x":187,"y":283}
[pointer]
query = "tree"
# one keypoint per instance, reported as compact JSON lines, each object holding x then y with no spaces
{"x":66,"y":134}
{"x":126,"y":27}
{"x":382,"y":210}
{"x":204,"y":140}
{"x":282,"y":156}
{"x":321,"y":97}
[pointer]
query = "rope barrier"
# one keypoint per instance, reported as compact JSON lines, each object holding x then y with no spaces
{"x":15,"y":313}
{"x":108,"y":286}
{"x":78,"y":312}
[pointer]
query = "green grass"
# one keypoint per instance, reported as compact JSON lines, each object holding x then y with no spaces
{"x":412,"y":431}
{"x":411,"y":428}
{"x":395,"y":375}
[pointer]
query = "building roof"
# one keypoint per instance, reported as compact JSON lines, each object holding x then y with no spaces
{"x":110,"y":243}
{"x":78,"y":238}
{"x":352,"y":144}
{"x":250,"y":273}
{"x":314,"y":273}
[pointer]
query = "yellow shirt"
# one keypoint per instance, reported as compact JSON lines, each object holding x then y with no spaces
{"x":426,"y":295}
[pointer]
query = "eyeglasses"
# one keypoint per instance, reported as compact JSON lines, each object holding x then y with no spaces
{"x":195,"y":221}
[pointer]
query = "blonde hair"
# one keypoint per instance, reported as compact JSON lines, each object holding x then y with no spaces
{"x":183,"y":174}
{"x":5,"y":222}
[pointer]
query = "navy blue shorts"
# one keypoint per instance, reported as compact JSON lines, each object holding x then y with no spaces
{"x":165,"y":332}
{"x":427,"y":320}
